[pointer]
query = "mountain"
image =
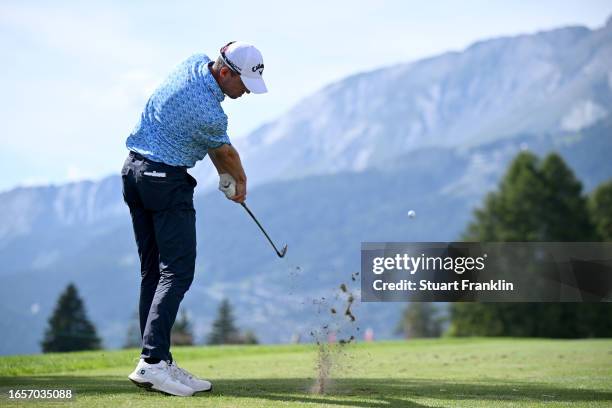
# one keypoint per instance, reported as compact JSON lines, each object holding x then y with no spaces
{"x":31,"y":217}
{"x":344,"y":166}
{"x":549,"y":82}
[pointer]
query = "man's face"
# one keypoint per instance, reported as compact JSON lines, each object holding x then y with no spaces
{"x":231,"y":84}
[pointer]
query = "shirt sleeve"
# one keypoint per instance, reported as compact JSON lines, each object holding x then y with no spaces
{"x":214,"y":133}
{"x":215,"y":141}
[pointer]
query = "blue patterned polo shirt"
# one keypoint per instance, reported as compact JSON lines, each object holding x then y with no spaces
{"x":183,"y":118}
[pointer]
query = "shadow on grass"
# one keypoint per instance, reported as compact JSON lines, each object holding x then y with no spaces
{"x":355,"y":392}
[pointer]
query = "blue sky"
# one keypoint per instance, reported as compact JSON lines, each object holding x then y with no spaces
{"x":75,"y":75}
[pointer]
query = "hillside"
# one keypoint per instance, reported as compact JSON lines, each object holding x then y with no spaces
{"x":345,"y":166}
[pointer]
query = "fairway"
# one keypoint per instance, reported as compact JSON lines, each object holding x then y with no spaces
{"x":472,"y":372}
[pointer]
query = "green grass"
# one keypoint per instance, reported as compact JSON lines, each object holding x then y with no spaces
{"x":422,"y":373}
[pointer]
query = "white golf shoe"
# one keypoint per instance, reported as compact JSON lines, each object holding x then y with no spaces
{"x":190,"y":380}
{"x":159,"y":377}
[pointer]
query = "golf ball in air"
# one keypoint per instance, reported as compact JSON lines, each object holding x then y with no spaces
{"x":35,"y":308}
{"x":411,"y":214}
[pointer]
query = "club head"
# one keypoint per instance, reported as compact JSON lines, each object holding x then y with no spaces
{"x":282,"y":251}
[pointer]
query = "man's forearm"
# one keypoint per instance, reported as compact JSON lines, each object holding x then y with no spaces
{"x":216,"y":163}
{"x":227,"y":160}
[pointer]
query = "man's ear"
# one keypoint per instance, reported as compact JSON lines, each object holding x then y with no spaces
{"x":225,"y":72}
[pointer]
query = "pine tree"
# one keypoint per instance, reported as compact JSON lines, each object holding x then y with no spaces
{"x":512,"y":212}
{"x":600,"y":208}
{"x":182,"y":333}
{"x":536,"y":201}
{"x":69,"y":328}
{"x":564,"y":212}
{"x":224,"y":330}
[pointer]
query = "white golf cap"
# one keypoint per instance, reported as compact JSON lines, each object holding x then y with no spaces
{"x":246,"y":60}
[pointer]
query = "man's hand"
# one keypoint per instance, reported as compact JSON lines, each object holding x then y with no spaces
{"x":227,"y":161}
{"x":229,"y":187}
{"x":240,"y":193}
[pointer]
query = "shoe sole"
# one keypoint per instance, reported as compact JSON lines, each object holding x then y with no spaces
{"x":208,"y":390}
{"x":147,"y":386}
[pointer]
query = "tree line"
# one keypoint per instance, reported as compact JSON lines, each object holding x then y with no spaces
{"x":536,"y":201}
{"x":70,"y":329}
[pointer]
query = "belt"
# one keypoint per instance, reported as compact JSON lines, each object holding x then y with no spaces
{"x":138,"y":156}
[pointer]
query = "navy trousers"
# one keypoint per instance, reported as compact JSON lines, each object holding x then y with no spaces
{"x":160,"y":198}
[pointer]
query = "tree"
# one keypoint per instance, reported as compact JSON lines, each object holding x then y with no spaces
{"x":536,"y":201}
{"x":512,"y":212}
{"x":564,"y":211}
{"x":182,"y":333}
{"x":600,"y":208}
{"x":224,"y":330}
{"x":420,"y":320}
{"x":69,"y":329}
{"x":249,"y":337}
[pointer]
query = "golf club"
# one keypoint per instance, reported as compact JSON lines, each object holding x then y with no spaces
{"x":280,"y":253}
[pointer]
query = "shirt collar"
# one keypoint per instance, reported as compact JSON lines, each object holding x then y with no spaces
{"x":212,"y":84}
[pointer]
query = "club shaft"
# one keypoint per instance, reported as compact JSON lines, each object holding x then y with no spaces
{"x":260,"y":227}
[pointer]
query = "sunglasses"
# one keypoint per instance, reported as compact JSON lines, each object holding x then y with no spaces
{"x":233,"y":67}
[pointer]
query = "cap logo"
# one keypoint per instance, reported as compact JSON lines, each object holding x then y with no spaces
{"x":258,"y":68}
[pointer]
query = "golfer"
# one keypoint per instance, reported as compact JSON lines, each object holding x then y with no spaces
{"x":182,"y":122}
